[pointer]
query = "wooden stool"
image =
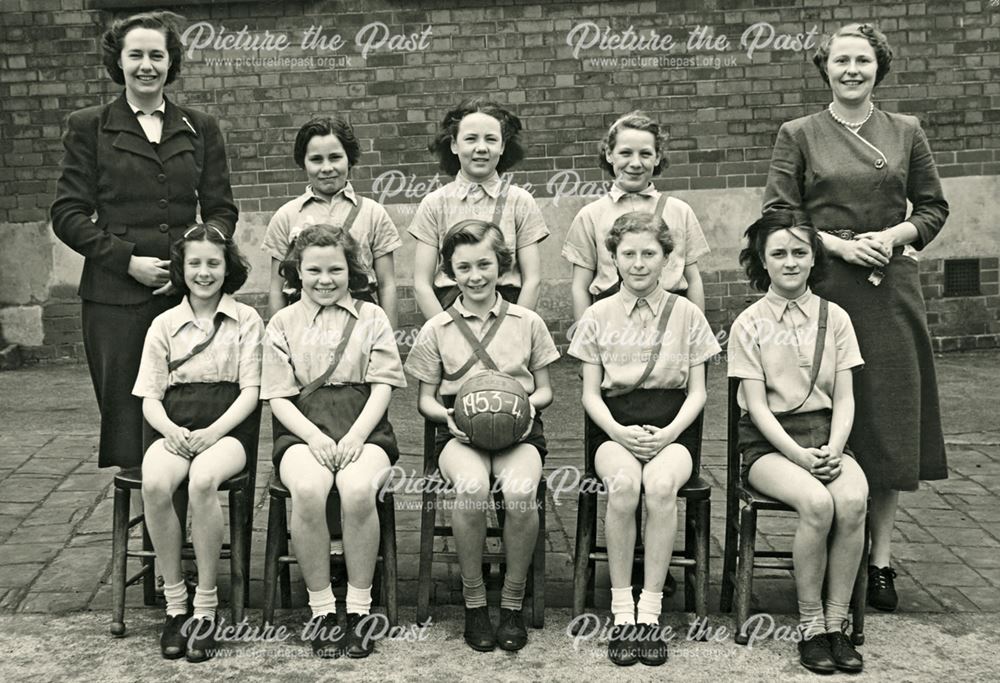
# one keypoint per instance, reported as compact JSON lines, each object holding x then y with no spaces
{"x":429,"y":529}
{"x":741,"y":557}
{"x":694,"y":558}
{"x":277,"y":558}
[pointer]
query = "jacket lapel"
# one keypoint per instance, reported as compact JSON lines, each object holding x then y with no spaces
{"x":178,"y":132}
{"x":119,"y":119}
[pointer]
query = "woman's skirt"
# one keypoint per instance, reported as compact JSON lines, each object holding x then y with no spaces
{"x":198,"y":405}
{"x":536,"y":437}
{"x":657,"y":407}
{"x":334,"y":410}
{"x":809,"y":430}
{"x":113,"y":336}
{"x":897,"y":432}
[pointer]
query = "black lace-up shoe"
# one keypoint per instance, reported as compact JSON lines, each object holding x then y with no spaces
{"x":326,"y":636}
{"x":652,"y":645}
{"x":624,"y":644}
{"x":479,"y":631}
{"x":359,"y":644}
{"x":511,"y":633}
{"x":201,"y":640}
{"x":844,"y":655}
{"x":882,"y":589}
{"x":815,"y":655}
{"x":173,"y":645}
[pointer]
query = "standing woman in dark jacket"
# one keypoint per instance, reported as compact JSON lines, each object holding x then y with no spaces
{"x":134,"y":175}
{"x":849,"y":171}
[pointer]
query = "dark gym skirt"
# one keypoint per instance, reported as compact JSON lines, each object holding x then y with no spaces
{"x":113,"y":337}
{"x":536,"y":437}
{"x":198,"y":405}
{"x":334,"y":409}
{"x":657,"y":407}
{"x":809,"y":430}
{"x":897,"y":419}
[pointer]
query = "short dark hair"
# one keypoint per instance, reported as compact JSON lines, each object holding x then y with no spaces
{"x":474,"y":231}
{"x":114,"y":40}
{"x":636,"y":120}
{"x":324,"y":235}
{"x":237,"y":266}
{"x":327,"y":125}
{"x":510,"y":129}
{"x":875,"y":38}
{"x":639,"y":221}
{"x":752,"y":256}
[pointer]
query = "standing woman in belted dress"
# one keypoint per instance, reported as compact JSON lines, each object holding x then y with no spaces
{"x":134,"y":175}
{"x":850,"y":170}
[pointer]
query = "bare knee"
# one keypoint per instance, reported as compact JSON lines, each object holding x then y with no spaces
{"x":816,"y":507}
{"x":201,"y":485}
{"x":851,"y":506}
{"x":623,"y":493}
{"x":661,"y":491}
{"x":308,"y":497}
{"x":157,"y":490}
{"x":357,"y":497}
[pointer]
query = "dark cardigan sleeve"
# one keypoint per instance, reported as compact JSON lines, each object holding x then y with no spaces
{"x":923,"y":189}
{"x":76,"y":198}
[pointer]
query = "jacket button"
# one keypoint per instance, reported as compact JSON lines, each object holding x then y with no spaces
{"x":879,"y":163}
{"x":164,"y":227}
{"x":162,"y":177}
{"x":163,"y":203}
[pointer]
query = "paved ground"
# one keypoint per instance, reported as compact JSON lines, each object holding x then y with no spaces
{"x":55,"y":512}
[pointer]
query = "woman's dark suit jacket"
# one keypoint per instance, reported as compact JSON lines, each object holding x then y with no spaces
{"x":144,"y":198}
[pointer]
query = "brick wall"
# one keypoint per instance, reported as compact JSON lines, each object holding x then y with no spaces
{"x":722,"y":119}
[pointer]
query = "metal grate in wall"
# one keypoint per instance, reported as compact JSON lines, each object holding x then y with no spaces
{"x":961,"y":277}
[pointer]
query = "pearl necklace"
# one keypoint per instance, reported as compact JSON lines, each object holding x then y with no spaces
{"x":854,"y":126}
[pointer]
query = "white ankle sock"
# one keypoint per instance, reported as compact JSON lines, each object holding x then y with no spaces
{"x":359,"y":600}
{"x":649,"y":607}
{"x":205,"y":602}
{"x":474,"y":592}
{"x":622,"y":606}
{"x":322,"y":601}
{"x":836,"y":615}
{"x":811,"y":621}
{"x":176,"y":596}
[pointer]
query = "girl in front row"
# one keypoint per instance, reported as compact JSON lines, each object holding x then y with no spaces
{"x":199,"y":379}
{"x":330,"y":363}
{"x":476,"y":256}
{"x":644,"y":352}
{"x":478,"y":141}
{"x":794,"y":354}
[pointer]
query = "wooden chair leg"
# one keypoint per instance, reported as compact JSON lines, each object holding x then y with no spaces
{"x":701,"y":538}
{"x":860,"y":597}
{"x":425,"y":576}
{"x":237,"y":553}
{"x":538,"y":564}
{"x":247,"y":530}
{"x":149,"y":567}
{"x":119,"y":548}
{"x":284,"y":569}
{"x":586,"y":522}
{"x":691,"y":511}
{"x":275,"y":532}
{"x":729,"y":552}
{"x":744,"y":571}
{"x":390,"y":585}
